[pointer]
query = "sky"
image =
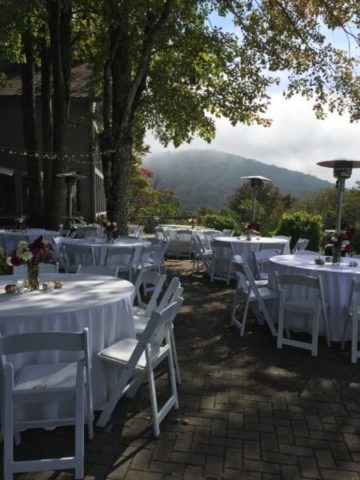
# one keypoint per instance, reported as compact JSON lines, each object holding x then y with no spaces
{"x":296,"y":140}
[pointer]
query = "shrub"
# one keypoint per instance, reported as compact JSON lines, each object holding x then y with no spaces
{"x":219,"y":222}
{"x":301,"y":225}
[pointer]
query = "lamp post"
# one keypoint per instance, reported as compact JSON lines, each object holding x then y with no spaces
{"x":255,"y":182}
{"x":71,"y":179}
{"x":342,"y":171}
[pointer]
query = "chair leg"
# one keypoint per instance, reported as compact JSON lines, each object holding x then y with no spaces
{"x":172,"y":376}
{"x":79,"y":427}
{"x":280,"y":332}
{"x":8,"y":430}
{"x":153,"y":401}
{"x":245,"y":314}
{"x":315,"y":334}
{"x":354,"y":339}
{"x":174,"y":353}
{"x":345,"y":330}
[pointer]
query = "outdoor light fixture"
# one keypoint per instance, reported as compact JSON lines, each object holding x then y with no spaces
{"x":342,"y":171}
{"x":70,"y":179}
{"x":255,"y":182}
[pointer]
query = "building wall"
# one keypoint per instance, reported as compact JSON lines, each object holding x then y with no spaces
{"x":79,"y":140}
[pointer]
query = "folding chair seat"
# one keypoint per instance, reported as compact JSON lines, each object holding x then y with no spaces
{"x":352,"y":313}
{"x":42,"y":384}
{"x":99,"y":270}
{"x":249,"y":292}
{"x":76,"y":255}
{"x":300,"y":244}
{"x":123,"y":257}
{"x":301,"y":294}
{"x":136,"y":357}
{"x":221,"y":265}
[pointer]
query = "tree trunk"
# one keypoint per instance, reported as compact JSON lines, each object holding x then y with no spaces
{"x":46,"y":121}
{"x":60,"y":39}
{"x":33,"y":160}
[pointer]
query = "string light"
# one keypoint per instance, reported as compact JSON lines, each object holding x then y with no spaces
{"x":75,"y":157}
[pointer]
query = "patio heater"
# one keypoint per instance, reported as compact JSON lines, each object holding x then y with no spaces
{"x":255,"y":182}
{"x":342,"y":171}
{"x":71,"y":178}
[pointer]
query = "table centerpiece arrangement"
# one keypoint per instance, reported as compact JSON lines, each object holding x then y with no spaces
{"x":31,"y":255}
{"x":110,"y":229}
{"x":340,"y":243}
{"x":250,"y":228}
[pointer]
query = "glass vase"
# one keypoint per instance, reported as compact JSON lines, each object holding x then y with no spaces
{"x":336,"y":254}
{"x":33,"y":276}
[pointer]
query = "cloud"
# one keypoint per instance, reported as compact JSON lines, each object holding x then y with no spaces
{"x":296,"y":140}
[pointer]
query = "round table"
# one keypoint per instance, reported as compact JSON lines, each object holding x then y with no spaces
{"x":336,"y":280}
{"x":101,"y":246}
{"x":102,"y":304}
{"x":243,"y":247}
{"x":10,"y":238}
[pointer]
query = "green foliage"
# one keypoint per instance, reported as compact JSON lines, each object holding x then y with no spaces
{"x":219,"y":222}
{"x":4,"y":267}
{"x":355,"y":242}
{"x":301,"y":224}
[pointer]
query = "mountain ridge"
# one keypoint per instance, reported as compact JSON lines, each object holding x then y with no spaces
{"x":206,"y":178}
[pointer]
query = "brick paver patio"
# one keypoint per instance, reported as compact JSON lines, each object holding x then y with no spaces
{"x":247,"y":410}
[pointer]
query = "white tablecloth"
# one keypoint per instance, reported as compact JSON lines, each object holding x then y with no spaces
{"x":101,"y":246}
{"x":9,"y":239}
{"x":336,"y":281}
{"x":102,"y":304}
{"x":244,"y":247}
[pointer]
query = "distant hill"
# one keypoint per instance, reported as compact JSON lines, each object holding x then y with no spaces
{"x":205,"y":178}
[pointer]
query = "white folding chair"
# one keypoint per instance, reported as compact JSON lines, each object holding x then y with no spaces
{"x":44,"y":383}
{"x":183,"y":243}
{"x":135,"y":357}
{"x":301,"y":294}
{"x":352,"y":313}
{"x":300,"y":244}
{"x":123,"y":257}
{"x":261,"y":262}
{"x":152,"y":258}
{"x":227,"y":233}
{"x":148,"y":280}
{"x":249,"y":292}
{"x":201,"y":256}
{"x":76,"y":255}
{"x":57,"y":251}
{"x":99,"y":270}
{"x":221,"y":265}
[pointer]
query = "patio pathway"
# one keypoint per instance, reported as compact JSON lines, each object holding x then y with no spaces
{"x":247,"y":410}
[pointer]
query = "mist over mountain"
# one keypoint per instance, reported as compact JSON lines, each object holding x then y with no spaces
{"x":206,"y":178}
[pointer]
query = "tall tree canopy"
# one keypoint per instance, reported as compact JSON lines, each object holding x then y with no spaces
{"x":165,"y":66}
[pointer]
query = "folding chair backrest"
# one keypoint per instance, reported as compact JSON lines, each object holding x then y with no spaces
{"x":44,"y":341}
{"x":145,"y":279}
{"x":152,"y":253}
{"x":198,"y":247}
{"x":301,"y":244}
{"x":170,"y":292}
{"x":261,"y":259}
{"x":300,"y":280}
{"x":123,"y":255}
{"x":79,"y":254}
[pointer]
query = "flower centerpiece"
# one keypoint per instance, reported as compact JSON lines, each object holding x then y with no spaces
{"x":110,"y":229}
{"x":339,"y":242}
{"x":31,"y":255}
{"x":251,"y":227}
{"x":193,"y":221}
